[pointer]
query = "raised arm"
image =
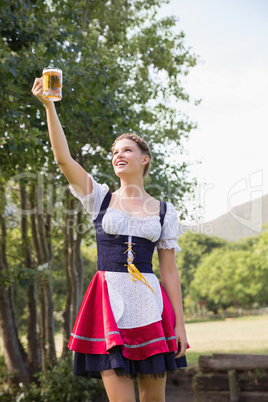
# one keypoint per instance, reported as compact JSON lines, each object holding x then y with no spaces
{"x":73,"y":172}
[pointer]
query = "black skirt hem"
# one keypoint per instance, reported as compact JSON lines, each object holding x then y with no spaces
{"x":158,"y":365}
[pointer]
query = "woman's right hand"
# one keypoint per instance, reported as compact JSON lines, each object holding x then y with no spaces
{"x":37,"y":90}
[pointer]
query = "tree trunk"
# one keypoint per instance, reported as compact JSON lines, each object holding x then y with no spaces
{"x":39,"y":262}
{"x":34,"y":356}
{"x":34,"y":353}
{"x":85,"y":14}
{"x":40,"y":243}
{"x":15,"y":356}
{"x":66,"y":322}
{"x":74,"y":271}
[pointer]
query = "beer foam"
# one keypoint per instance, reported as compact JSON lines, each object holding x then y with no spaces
{"x":52,"y":70}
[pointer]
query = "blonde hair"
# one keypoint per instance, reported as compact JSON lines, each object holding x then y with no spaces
{"x":142,"y":144}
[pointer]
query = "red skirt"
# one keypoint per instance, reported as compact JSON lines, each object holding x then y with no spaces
{"x":95,"y":330}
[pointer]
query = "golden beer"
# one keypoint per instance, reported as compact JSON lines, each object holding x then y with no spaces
{"x":52,"y":84}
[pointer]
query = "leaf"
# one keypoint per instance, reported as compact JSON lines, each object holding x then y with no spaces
{"x":102,"y":78}
{"x":12,"y":71}
{"x":42,"y":48}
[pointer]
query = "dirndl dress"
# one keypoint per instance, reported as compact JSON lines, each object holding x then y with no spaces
{"x":126,"y":321}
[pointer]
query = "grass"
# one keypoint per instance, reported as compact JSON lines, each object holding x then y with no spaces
{"x":234,"y":335}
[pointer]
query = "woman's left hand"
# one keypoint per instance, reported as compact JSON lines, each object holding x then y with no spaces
{"x":181,"y":340}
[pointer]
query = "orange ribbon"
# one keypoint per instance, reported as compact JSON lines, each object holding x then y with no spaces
{"x":135,"y":274}
{"x":133,"y":271}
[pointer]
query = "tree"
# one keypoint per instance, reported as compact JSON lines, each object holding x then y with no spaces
{"x":112,"y":55}
{"x":232,"y":277}
{"x":194,"y":247}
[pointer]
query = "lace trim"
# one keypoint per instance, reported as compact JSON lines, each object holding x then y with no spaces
{"x":133,"y":218}
{"x":168,"y":244}
{"x":85,"y":197}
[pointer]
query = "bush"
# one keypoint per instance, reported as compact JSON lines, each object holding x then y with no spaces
{"x":5,"y":382}
{"x":60,"y":384}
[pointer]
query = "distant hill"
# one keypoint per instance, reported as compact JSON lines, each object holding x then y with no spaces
{"x":244,"y":220}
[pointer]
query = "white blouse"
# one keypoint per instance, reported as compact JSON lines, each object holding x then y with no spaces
{"x":118,"y":222}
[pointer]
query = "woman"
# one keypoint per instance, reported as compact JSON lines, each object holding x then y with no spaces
{"x":128,"y":325}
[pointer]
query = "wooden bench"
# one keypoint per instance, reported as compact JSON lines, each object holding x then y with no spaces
{"x":231,"y":378}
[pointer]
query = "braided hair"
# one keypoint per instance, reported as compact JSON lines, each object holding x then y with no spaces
{"x":142,"y":144}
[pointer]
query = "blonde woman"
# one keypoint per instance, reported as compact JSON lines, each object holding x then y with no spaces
{"x":129,"y":325}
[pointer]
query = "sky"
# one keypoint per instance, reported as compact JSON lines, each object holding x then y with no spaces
{"x":231,"y":141}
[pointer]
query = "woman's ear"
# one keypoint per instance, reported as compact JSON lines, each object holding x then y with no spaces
{"x":145,"y":160}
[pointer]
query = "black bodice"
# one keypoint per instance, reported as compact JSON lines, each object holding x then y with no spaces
{"x":112,"y":249}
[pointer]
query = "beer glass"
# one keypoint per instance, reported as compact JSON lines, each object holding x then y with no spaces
{"x":52,"y":83}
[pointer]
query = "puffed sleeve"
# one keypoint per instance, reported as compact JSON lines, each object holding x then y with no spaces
{"x":92,"y":202}
{"x":169,"y":234}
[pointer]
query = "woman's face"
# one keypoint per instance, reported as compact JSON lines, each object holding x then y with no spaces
{"x":128,"y":158}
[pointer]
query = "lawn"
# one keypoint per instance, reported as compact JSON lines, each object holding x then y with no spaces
{"x":235,"y":335}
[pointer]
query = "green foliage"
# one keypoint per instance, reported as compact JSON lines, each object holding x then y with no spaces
{"x":60,"y":384}
{"x":194,"y":247}
{"x":55,"y":385}
{"x":235,"y":275}
{"x":120,"y":66}
{"x":5,"y":382}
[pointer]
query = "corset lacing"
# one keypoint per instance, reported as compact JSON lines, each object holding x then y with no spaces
{"x":132,"y":270}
